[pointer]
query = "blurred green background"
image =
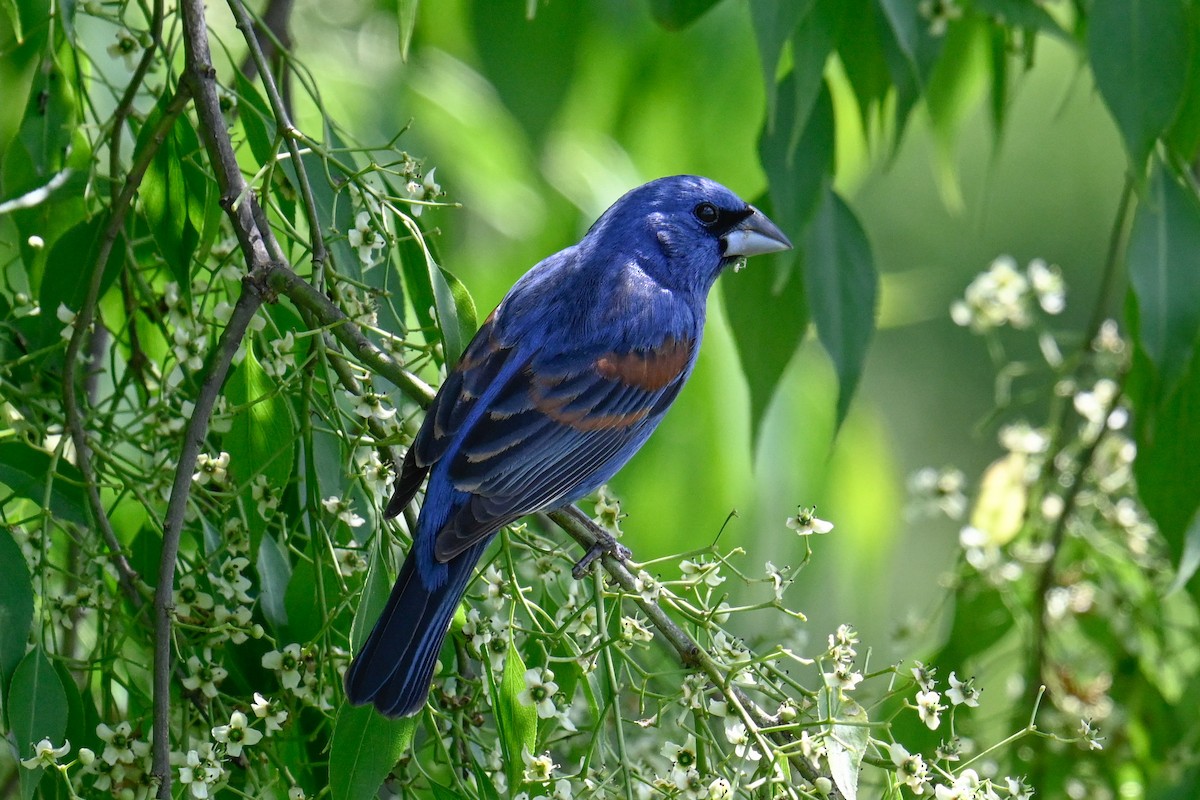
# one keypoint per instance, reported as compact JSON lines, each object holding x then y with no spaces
{"x":535,"y":126}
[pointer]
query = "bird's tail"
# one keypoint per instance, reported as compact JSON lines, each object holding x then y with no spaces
{"x":394,"y":668}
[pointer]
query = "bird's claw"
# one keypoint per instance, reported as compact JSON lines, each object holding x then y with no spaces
{"x":606,"y":544}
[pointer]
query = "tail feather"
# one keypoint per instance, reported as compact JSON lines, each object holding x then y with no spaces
{"x":394,"y":668}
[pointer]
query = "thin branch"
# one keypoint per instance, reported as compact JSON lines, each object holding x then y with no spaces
{"x":83,"y":321}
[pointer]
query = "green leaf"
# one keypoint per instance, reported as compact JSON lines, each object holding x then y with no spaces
{"x":256,"y":119}
{"x":23,"y":33}
{"x":1138,"y":50}
{"x":25,"y":470}
{"x":842,"y":286}
{"x":455,"y":311}
{"x":812,"y":42}
{"x":37,"y":709}
{"x":1027,"y":14}
{"x":174,"y":192}
{"x":406,"y":18}
{"x":798,"y":160}
{"x":375,"y":592}
{"x":980,"y":620}
{"x":261,"y":439}
{"x":67,"y":275}
{"x":1163,"y":258}
{"x":1183,"y":138}
{"x":16,"y":607}
{"x":364,"y":749}
{"x":769,"y":288}
{"x":274,"y":573}
{"x":773,"y":24}
{"x":675,"y":15}
{"x":516,"y":724}
{"x":1168,"y":446}
{"x":845,"y":744}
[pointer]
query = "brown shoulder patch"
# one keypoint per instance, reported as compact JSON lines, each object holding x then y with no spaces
{"x":647,"y":369}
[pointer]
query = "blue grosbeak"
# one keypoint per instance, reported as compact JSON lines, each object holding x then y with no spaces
{"x":562,"y":384}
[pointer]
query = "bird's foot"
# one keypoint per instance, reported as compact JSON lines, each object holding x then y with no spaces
{"x":606,"y":544}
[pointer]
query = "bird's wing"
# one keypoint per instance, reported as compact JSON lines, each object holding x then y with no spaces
{"x":556,"y":421}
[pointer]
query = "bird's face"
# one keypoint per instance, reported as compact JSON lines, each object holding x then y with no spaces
{"x":694,"y":226}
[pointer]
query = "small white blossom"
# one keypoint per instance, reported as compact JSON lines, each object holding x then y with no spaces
{"x":237,"y":734}
{"x":371,"y":405}
{"x":343,"y":510}
{"x":911,"y":770}
{"x":681,"y":756}
{"x":45,"y":754}
{"x":963,"y":692}
{"x":212,"y":469}
{"x":203,"y":675}
{"x":1091,"y":736}
{"x":190,"y":602}
{"x":271,"y":711}
{"x":697,"y":572}
{"x":538,"y":769}
{"x":805,"y":522}
{"x":198,"y":775}
{"x":720,"y":789}
{"x":539,"y":692}
{"x":1047,"y":281}
{"x":608,"y":511}
{"x":287,"y":662}
{"x":365,"y":239}
{"x":126,"y":47}
{"x":930,"y":709}
{"x":645,"y":585}
{"x":737,"y":735}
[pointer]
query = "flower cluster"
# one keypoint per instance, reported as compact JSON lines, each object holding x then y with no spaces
{"x":1004,"y":295}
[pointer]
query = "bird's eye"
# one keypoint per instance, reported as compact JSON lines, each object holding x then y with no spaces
{"x":707,"y":213}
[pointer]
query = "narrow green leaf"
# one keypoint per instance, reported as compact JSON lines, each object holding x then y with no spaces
{"x":23,"y":34}
{"x":16,"y":607}
{"x":174,"y":192}
{"x":364,"y":749}
{"x":261,"y":440}
{"x":769,"y":288}
{"x":257,"y":121}
{"x":845,"y":744}
{"x":980,"y":620}
{"x":274,"y":574}
{"x":1168,"y":445}
{"x":1163,"y":258}
{"x":842,"y":287}
{"x":25,"y":470}
{"x":812,"y":42}
{"x":443,"y":793}
{"x":773,"y":25}
{"x":37,"y":709}
{"x":516,"y":724}
{"x":66,"y":282}
{"x":376,"y":588}
{"x":675,"y":15}
{"x":798,"y":161}
{"x":484,"y":782}
{"x":406,"y":18}
{"x":1183,"y":138}
{"x":455,"y":311}
{"x":1138,"y":50}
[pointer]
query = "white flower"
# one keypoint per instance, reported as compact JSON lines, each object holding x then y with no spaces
{"x":924,"y":675}
{"x":965,"y":787}
{"x":203,"y":675}
{"x":963,"y":692}
{"x":211,"y":468}
{"x":125,"y":47}
{"x":237,"y":734}
{"x":199,"y":774}
{"x":370,"y":404}
{"x":932,"y":491}
{"x":634,"y":630}
{"x":1048,"y":285}
{"x":539,"y":692}
{"x":843,"y":677}
{"x":996,"y":297}
{"x":1018,"y":789}
{"x":344,"y":511}
{"x":697,"y":572}
{"x":230,"y":581}
{"x":271,"y":711}
{"x":119,"y":744}
{"x":777,"y":580}
{"x":538,"y":769}
{"x":645,"y":585}
{"x":608,"y":511}
{"x":929,"y":709}
{"x":287,"y":663}
{"x":45,"y":754}
{"x":911,"y":770}
{"x":720,"y":789}
{"x":189,"y":600}
{"x":805,"y":522}
{"x":364,"y":238}
{"x":67,"y":317}
{"x":681,"y":756}
{"x":1091,"y":736}
{"x":737,"y":735}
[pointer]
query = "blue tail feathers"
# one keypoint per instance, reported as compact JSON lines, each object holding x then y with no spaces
{"x":394,"y":668}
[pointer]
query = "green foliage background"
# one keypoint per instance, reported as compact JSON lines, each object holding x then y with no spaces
{"x":901,"y":158}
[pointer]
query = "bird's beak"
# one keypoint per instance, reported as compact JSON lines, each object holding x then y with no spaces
{"x":754,"y":236}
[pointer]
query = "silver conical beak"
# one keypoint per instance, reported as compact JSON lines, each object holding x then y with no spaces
{"x":755,"y":236}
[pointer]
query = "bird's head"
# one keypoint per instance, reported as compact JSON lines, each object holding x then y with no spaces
{"x":686,"y":229}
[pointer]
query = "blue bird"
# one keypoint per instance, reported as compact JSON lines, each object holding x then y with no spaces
{"x":561,"y":385}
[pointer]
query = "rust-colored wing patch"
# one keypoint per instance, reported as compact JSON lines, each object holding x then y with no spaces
{"x":650,"y":370}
